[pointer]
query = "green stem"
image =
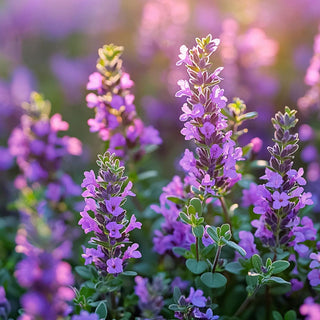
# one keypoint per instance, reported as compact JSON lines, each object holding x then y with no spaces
{"x":246,"y":302}
{"x":225,"y":212}
{"x":113,"y":305}
{"x":216,"y":259}
{"x":197,"y":248}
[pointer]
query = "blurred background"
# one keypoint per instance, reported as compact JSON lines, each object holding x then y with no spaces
{"x":51,"y":46}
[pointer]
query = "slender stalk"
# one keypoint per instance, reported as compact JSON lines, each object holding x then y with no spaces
{"x":197,"y":248}
{"x":225,"y":212}
{"x":113,"y":305}
{"x":216,"y":259}
{"x":246,"y":302}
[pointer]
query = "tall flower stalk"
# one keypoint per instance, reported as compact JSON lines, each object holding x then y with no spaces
{"x":116,"y":119}
{"x":104,"y":216}
{"x":213,"y":170}
{"x":282,"y":196}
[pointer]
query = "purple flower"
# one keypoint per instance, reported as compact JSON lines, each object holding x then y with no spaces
{"x":92,"y":254}
{"x":197,"y":111}
{"x":207,"y":129}
{"x":280,"y":200}
{"x":256,"y":144}
{"x":218,"y":97}
{"x":113,"y":229}
{"x":196,"y":298}
{"x":87,"y":223}
{"x":247,"y":243}
{"x":183,"y":56}
{"x":274,"y":179}
{"x":116,"y":119}
{"x":95,"y":81}
{"x":113,"y":206}
{"x":184,"y":89}
{"x":90,"y":179}
{"x":133,"y":224}
{"x":250,"y":196}
{"x":107,"y":218}
{"x":296,"y":176}
{"x":310,"y":309}
{"x":316,"y":260}
{"x":132,"y":252}
{"x":114,"y":265}
{"x":314,"y":277}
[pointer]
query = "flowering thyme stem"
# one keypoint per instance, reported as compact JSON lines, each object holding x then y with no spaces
{"x":225,"y":211}
{"x":216,"y":259}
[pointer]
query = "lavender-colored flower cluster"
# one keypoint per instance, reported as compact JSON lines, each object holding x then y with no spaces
{"x":103,"y":214}
{"x":195,"y":306}
{"x":39,"y":150}
{"x":214,"y":169}
{"x":116,"y":118}
{"x":43,"y":273}
{"x":151,"y":296}
{"x":279,"y":200}
{"x":173,"y":232}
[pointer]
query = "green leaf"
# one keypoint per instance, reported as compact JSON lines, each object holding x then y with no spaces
{"x":248,"y":116}
{"x":213,"y":280}
{"x":102,"y":310}
{"x":256,"y":262}
{"x":234,"y":267}
{"x":212,"y":232}
{"x":196,"y":267}
{"x":278,"y":280}
{"x":198,"y":231}
{"x":180,"y":251}
{"x":129,"y":273}
{"x":225,"y":228}
{"x":276,"y":315}
{"x":196,"y":203}
{"x":290,"y":315}
{"x":176,"y":200}
{"x":83,"y":272}
{"x":176,"y":294}
{"x":236,"y":247}
{"x":175,"y":307}
{"x":147,"y":175}
{"x":279,"y":266}
{"x":185,"y":218}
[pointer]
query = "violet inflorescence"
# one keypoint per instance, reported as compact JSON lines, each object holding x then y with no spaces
{"x":213,"y":170}
{"x":39,"y":150}
{"x":279,"y":200}
{"x":103,"y":214}
{"x":116,"y":118}
{"x":43,"y":273}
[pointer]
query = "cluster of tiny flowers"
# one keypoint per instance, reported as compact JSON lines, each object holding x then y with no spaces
{"x":312,"y":79}
{"x":4,"y":304}
{"x":173,"y":232}
{"x":39,"y":150}
{"x":103,"y":214}
{"x":116,"y":118}
{"x":151,"y":299}
{"x":214,"y":169}
{"x":310,"y":309}
{"x":279,"y":200}
{"x":314,"y":274}
{"x":195,"y":307}
{"x":46,"y":277}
